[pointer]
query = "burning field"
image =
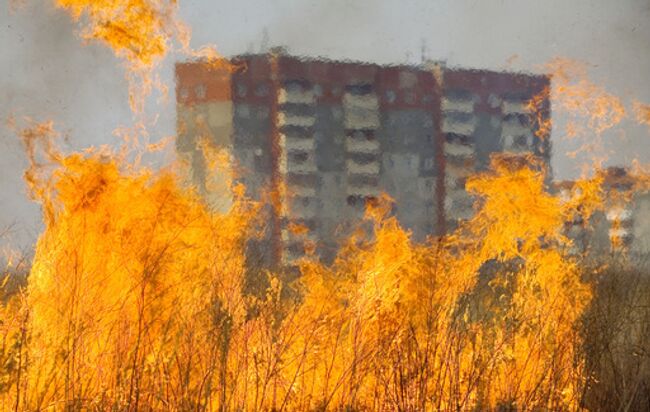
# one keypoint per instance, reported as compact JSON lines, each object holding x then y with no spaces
{"x":142,"y":293}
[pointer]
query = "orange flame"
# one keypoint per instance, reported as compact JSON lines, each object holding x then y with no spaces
{"x":590,"y":109}
{"x":642,"y":113}
{"x":138,"y":30}
{"x":139,"y":287}
{"x":141,"y":32}
{"x":139,"y":295}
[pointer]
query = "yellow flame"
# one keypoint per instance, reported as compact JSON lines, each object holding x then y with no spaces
{"x":139,"y":292}
{"x":138,"y":296}
{"x":138,"y":30}
{"x":128,"y":265}
{"x":142,"y":32}
{"x":589,"y":108}
{"x":642,"y":113}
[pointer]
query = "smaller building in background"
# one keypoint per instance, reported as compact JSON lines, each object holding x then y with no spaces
{"x":623,"y":224}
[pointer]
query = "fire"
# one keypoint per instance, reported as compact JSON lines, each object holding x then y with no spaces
{"x":138,"y":297}
{"x":141,"y":295}
{"x":142,"y":33}
{"x":138,"y":30}
{"x":589,"y":108}
{"x":642,"y":113}
{"x":131,"y":272}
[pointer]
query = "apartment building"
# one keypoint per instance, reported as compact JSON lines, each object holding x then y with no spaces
{"x":327,"y":137}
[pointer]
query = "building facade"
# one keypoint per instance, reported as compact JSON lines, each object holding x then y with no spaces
{"x":622,"y":225}
{"x":327,"y":137}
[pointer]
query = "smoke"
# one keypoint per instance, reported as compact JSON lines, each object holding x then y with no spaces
{"x":46,"y":73}
{"x":609,"y":37}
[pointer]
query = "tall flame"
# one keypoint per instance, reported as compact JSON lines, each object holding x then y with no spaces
{"x":590,"y":109}
{"x":138,"y":30}
{"x":139,"y":296}
{"x":142,"y":32}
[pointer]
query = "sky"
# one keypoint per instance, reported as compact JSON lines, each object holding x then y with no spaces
{"x":47,"y":72}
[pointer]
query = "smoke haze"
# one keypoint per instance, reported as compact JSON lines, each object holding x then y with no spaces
{"x":46,"y":72}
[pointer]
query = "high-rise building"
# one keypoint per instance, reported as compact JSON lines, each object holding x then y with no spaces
{"x":329,"y":136}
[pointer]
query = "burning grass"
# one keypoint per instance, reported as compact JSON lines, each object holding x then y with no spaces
{"x":136,"y":300}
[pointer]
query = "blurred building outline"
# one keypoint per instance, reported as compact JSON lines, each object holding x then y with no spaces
{"x":330,"y":136}
{"x":623,"y":224}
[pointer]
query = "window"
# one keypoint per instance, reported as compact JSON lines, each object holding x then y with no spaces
{"x":360,"y":89}
{"x":262,"y":112}
{"x":494,"y":101}
{"x":199,"y":91}
{"x":241,"y":90}
{"x":407,"y":80}
{"x":390,"y":96}
{"x":243,"y":111}
{"x":428,"y":163}
{"x":409,"y":98}
{"x":299,"y":157}
{"x":262,"y":90}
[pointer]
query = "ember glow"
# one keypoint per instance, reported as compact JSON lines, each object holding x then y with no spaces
{"x":142,"y":293}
